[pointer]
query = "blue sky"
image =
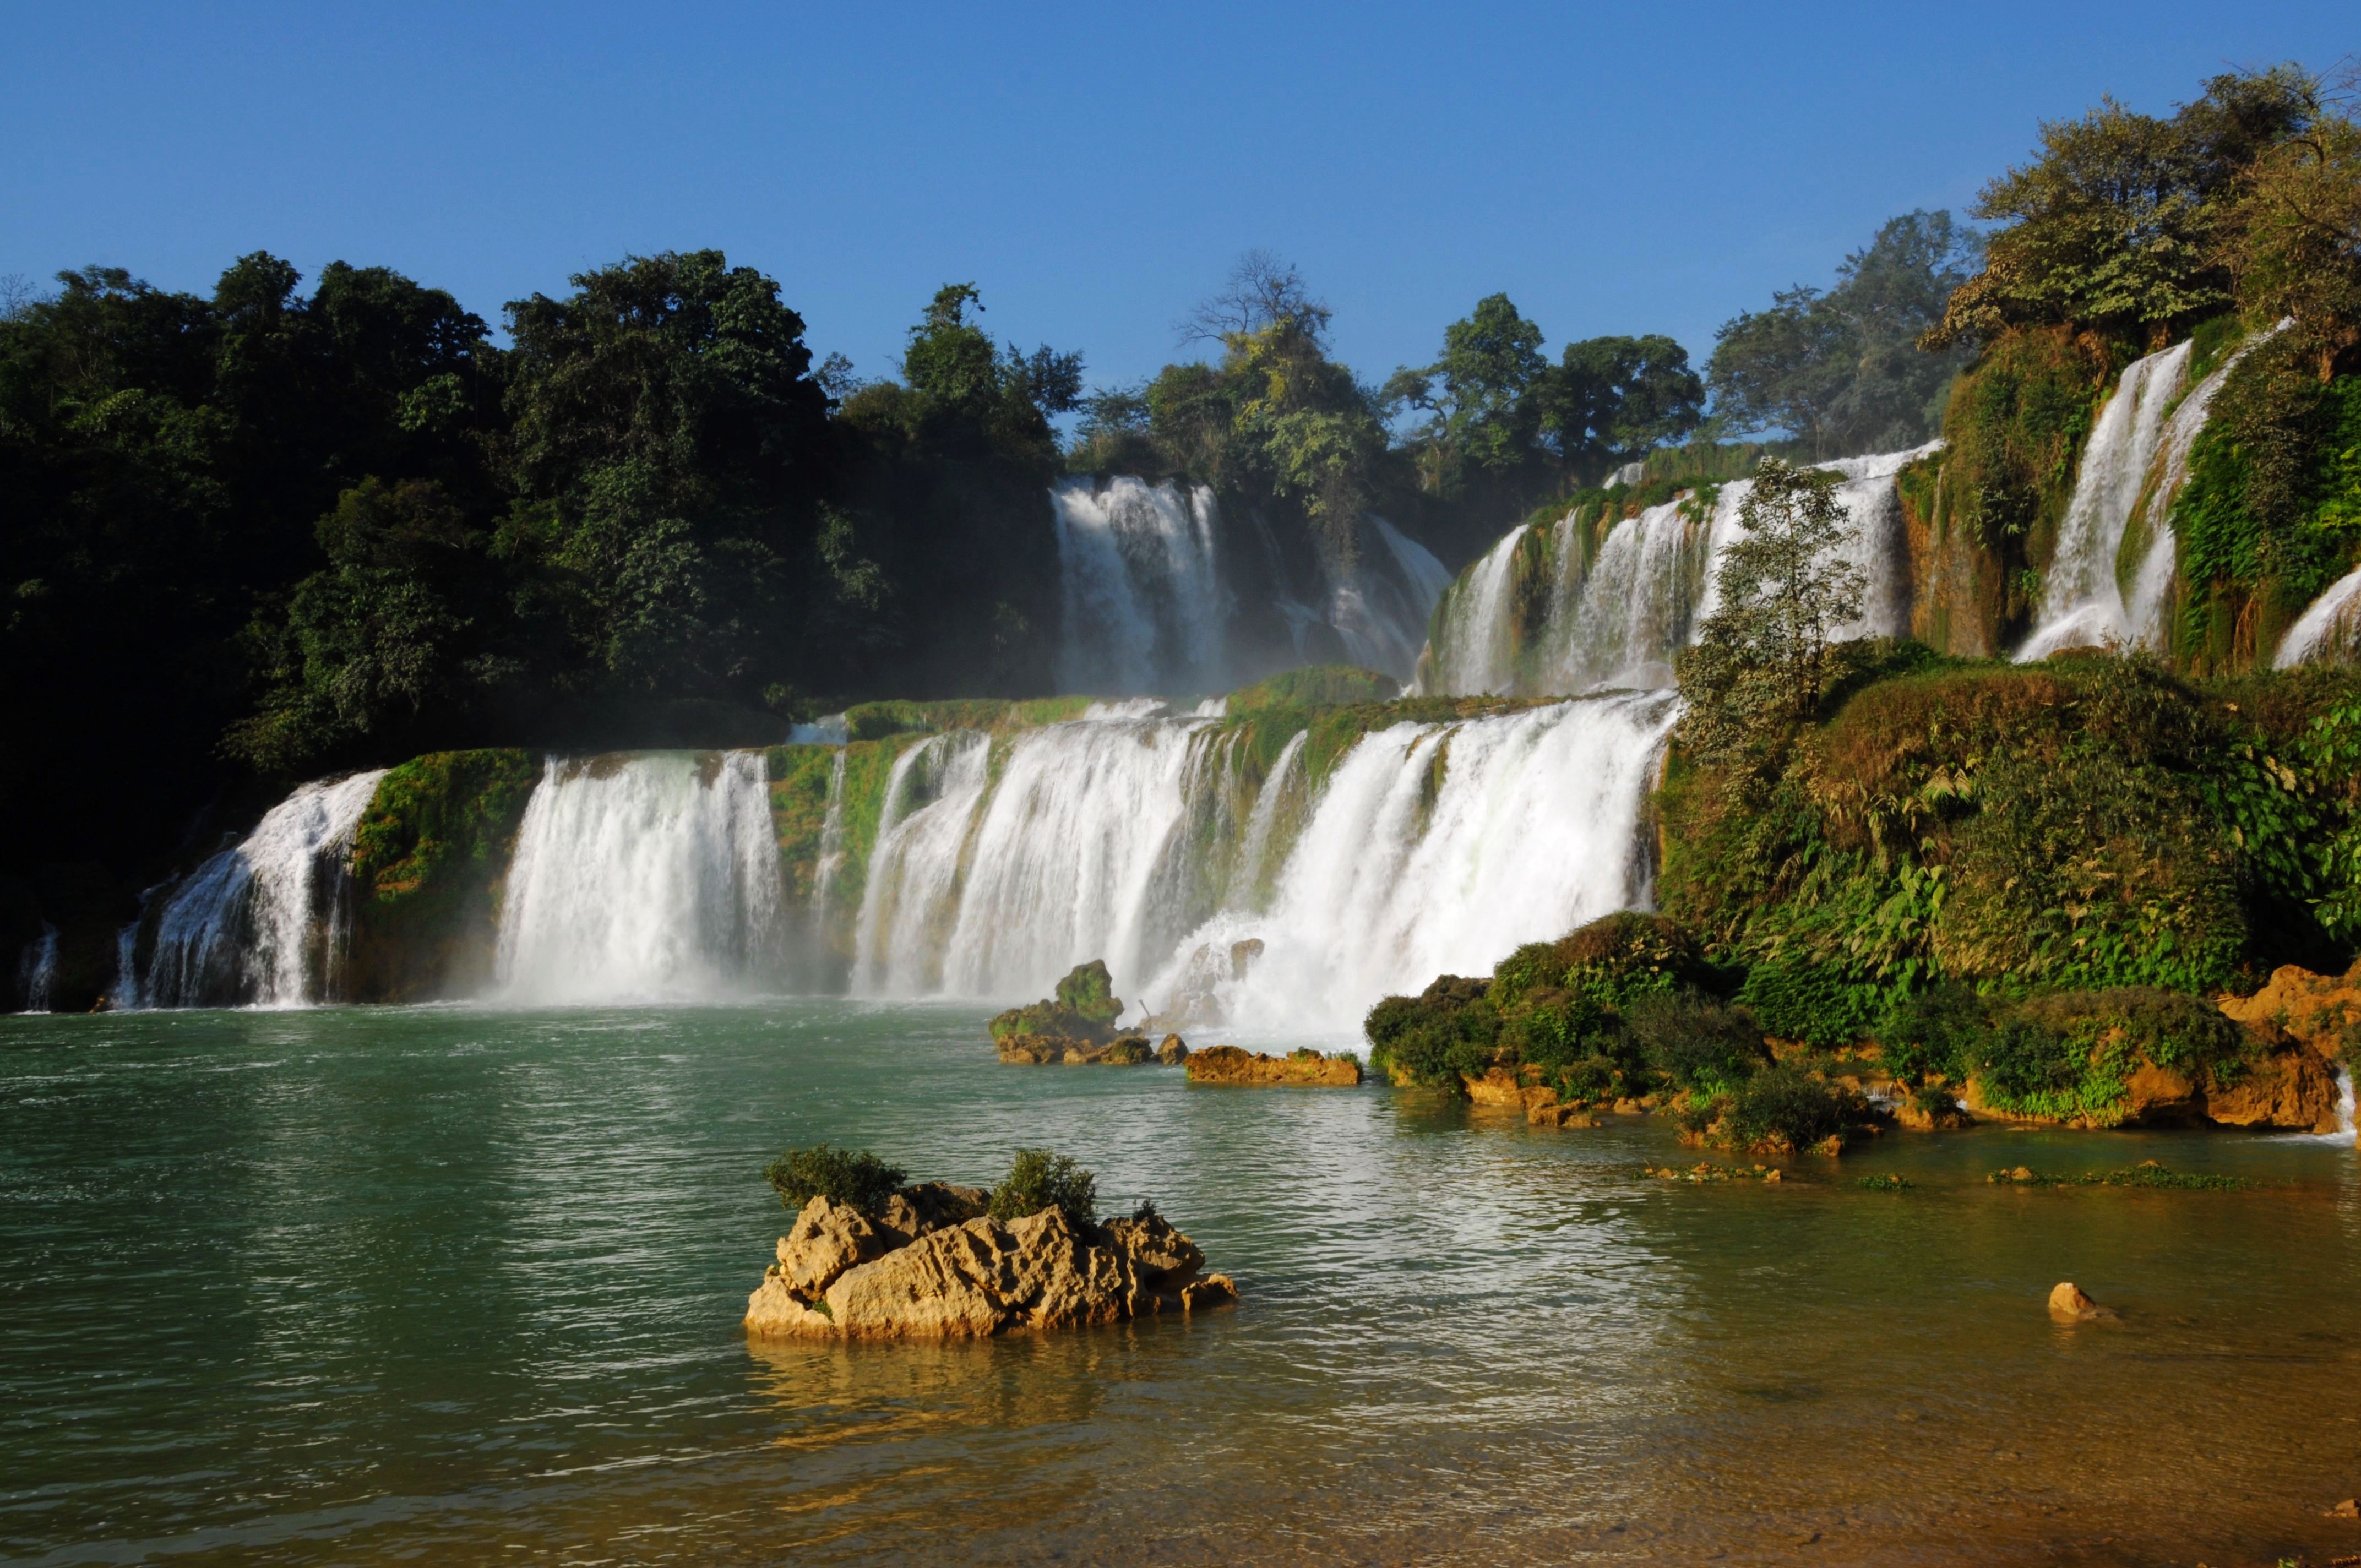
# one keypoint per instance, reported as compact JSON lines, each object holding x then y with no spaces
{"x":1095,"y":169}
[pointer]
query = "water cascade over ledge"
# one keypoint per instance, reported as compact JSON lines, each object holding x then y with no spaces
{"x":642,"y":878}
{"x":261,"y":923}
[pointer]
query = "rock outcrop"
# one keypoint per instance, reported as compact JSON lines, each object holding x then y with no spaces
{"x":2320,"y":1010}
{"x":1123,"y":1051}
{"x":2068,"y":1304}
{"x":931,"y":1265}
{"x":1228,"y":1064}
{"x":1083,"y":1013}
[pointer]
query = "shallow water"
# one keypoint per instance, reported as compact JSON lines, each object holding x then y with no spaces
{"x":445,"y":1285}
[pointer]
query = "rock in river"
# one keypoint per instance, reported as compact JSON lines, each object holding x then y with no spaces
{"x":1228,"y":1064}
{"x":958,"y":1274}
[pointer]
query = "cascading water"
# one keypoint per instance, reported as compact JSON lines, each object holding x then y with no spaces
{"x":1139,"y":587}
{"x":1618,"y":618}
{"x":2329,"y":631}
{"x":642,"y":878}
{"x":1142,"y":840}
{"x":2083,"y":598}
{"x":260,"y":923}
{"x":1380,"y":614}
{"x":36,"y":970}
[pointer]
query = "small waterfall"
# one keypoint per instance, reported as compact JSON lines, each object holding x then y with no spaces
{"x":1380,"y":609}
{"x":642,"y":877}
{"x":1139,"y":583}
{"x":36,"y":970}
{"x":2329,"y":631}
{"x":2082,"y":600}
{"x":1533,"y":829}
{"x":1140,"y":840}
{"x":2344,"y":1119}
{"x":913,"y":880}
{"x":1618,"y":618}
{"x":261,"y":923}
{"x":830,"y":862}
{"x":1475,"y":645}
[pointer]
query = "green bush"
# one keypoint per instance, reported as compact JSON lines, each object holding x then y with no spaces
{"x":1818,"y":1005}
{"x":1934,"y":1033}
{"x":840,"y":1175}
{"x":1039,"y":1179}
{"x":1085,"y":1008}
{"x":1448,"y":1030}
{"x":1702,"y":1045}
{"x":1781,"y":1106}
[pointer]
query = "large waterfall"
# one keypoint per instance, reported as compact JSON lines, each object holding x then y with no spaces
{"x":642,"y":878}
{"x":1149,"y":842}
{"x":1542,"y":613}
{"x":260,"y":923}
{"x":1156,"y":602}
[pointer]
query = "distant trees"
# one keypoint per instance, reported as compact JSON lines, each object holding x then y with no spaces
{"x":1843,"y":371}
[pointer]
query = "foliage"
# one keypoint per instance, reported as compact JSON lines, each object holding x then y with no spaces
{"x":2148,"y":1174}
{"x":1701,"y":1045}
{"x":1760,"y":663}
{"x":1782,"y":1108}
{"x":1842,"y":370}
{"x":1085,"y":1008}
{"x":2111,"y":226}
{"x":2291,"y":237}
{"x":428,"y":856}
{"x":861,"y":1180}
{"x":1613,"y":400}
{"x":1039,"y":1179}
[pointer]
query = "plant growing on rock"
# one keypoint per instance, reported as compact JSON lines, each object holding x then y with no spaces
{"x":1039,"y":1179}
{"x":861,"y":1180}
{"x":1085,"y":1008}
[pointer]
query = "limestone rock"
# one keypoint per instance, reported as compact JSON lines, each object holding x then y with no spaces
{"x":1123,"y":1051}
{"x":2068,"y":1303}
{"x":1083,"y":1013}
{"x":2322,"y":1011}
{"x":928,"y":1206}
{"x":981,"y":1277}
{"x":2293,"y":1088}
{"x":828,"y":1237}
{"x":1228,"y":1064}
{"x":1173,"y":1051}
{"x":2350,"y":1509}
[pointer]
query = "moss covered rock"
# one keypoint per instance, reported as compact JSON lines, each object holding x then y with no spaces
{"x":430,"y":859}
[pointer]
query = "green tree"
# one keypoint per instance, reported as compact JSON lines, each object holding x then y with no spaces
{"x":1612,"y":400}
{"x":2112,"y":226}
{"x":1762,"y":662}
{"x":1843,"y":371}
{"x":1481,"y":392}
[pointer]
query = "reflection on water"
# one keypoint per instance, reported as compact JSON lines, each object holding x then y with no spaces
{"x":459,"y":1285}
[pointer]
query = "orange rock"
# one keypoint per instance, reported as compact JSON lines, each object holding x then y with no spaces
{"x":2067,"y":1300}
{"x":1228,"y":1064}
{"x":2323,"y":1011}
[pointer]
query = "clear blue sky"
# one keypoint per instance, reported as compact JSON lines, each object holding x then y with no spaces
{"x":1095,"y":169}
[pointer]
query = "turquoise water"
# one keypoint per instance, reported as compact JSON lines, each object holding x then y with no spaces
{"x":462,"y":1285}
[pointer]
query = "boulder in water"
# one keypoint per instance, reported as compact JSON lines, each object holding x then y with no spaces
{"x":979,"y":1276}
{"x":2068,"y":1304}
{"x":1123,"y":1051}
{"x":1173,"y":1051}
{"x":1228,"y":1064}
{"x":1083,"y":1013}
{"x":2320,"y":1009}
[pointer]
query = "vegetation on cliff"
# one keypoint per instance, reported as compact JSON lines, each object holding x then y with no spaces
{"x":429,"y":859}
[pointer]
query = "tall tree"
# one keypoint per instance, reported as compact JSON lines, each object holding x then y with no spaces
{"x":1612,"y":400}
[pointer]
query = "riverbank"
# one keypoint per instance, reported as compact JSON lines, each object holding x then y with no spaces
{"x":363,"y":1285}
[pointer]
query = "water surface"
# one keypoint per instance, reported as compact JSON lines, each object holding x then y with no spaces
{"x":456,"y":1284}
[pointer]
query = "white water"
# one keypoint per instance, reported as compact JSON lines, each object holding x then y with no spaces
{"x":1139,"y":585}
{"x":2082,"y":601}
{"x":1380,"y":609}
{"x":260,"y":923}
{"x":1620,"y":621}
{"x":642,"y":878}
{"x":2345,"y":1118}
{"x":36,"y":970}
{"x":1132,"y":840}
{"x":2329,"y":631}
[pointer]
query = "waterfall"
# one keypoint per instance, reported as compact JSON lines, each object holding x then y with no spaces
{"x":1618,"y":617}
{"x":36,"y":970}
{"x":2344,"y":1119}
{"x":1142,"y":599}
{"x":2082,"y":601}
{"x":2329,"y":631}
{"x":1142,"y":840}
{"x":260,"y":923}
{"x":1475,"y":645}
{"x":1533,"y":828}
{"x":1380,"y":607}
{"x":642,"y":877}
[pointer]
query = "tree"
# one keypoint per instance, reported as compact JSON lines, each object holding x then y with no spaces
{"x":1843,"y":371}
{"x":2292,"y":238}
{"x":1761,"y":664}
{"x":1479,"y":392}
{"x":1262,"y":291}
{"x":2111,"y":226}
{"x":1612,"y":400}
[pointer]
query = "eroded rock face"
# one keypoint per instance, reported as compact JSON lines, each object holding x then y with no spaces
{"x":1228,"y":1064}
{"x":2322,"y":1011}
{"x":1037,"y":1050}
{"x":979,"y":1276}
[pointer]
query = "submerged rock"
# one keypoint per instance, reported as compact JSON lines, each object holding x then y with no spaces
{"x":1228,"y":1064}
{"x":842,"y":1275}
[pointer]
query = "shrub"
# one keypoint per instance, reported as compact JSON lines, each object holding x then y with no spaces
{"x":1449,"y":1029}
{"x":839,"y":1175}
{"x":1781,"y":1106}
{"x":1934,"y":1033}
{"x":1039,"y":1179}
{"x":1701,"y":1045}
{"x":1815,"y":1003}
